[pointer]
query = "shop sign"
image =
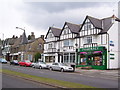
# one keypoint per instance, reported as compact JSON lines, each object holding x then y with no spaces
{"x":112,"y":56}
{"x":91,"y":49}
{"x":111,"y":43}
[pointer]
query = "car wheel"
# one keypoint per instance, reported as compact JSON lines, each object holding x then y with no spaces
{"x":50,"y":68}
{"x":62,"y":70}
{"x":40,"y":67}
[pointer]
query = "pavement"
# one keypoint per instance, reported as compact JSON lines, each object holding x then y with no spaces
{"x":93,"y":72}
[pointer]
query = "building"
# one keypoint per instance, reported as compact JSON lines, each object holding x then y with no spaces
{"x":98,"y":43}
{"x":51,"y":46}
{"x":24,"y":49}
{"x":7,"y":43}
{"x":67,"y":43}
{"x":93,"y":43}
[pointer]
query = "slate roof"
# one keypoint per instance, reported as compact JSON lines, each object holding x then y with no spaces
{"x":103,"y":24}
{"x":74,"y":28}
{"x":56,"y":31}
{"x":0,"y":51}
{"x":24,"y":38}
{"x":107,"y":23}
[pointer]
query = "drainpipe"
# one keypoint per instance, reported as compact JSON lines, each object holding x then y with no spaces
{"x":108,"y":50}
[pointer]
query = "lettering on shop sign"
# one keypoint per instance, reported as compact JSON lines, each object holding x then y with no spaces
{"x":111,"y":43}
{"x":93,"y":48}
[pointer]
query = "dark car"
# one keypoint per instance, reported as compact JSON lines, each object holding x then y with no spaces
{"x":14,"y":62}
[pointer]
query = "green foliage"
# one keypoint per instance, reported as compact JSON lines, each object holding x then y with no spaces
{"x":37,"y":56}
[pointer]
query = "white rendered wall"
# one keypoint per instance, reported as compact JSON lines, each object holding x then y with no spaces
{"x":113,"y":36}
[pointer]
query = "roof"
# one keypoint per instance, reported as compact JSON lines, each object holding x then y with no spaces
{"x":103,"y":24}
{"x":96,"y":22}
{"x":74,"y":28}
{"x":24,"y":38}
{"x":56,"y":31}
{"x":0,"y":51}
{"x":107,"y":23}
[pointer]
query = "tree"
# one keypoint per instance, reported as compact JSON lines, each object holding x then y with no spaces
{"x":37,"y":56}
{"x":29,"y":37}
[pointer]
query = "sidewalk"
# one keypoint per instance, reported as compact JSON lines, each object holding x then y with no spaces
{"x":98,"y":73}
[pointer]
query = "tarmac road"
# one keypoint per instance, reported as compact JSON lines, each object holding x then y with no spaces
{"x":66,"y":76}
{"x":14,"y":82}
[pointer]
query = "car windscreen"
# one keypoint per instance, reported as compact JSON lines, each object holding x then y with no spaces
{"x":15,"y":61}
{"x":63,"y":64}
{"x":27,"y":61}
{"x":42,"y":62}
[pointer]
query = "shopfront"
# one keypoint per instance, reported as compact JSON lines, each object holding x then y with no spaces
{"x":96,"y":57}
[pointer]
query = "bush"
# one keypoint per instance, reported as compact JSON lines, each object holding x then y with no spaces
{"x":37,"y":56}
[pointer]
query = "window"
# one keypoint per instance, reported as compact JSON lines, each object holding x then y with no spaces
{"x":88,"y":40}
{"x":39,"y":46}
{"x":29,"y":47}
{"x":85,"y":27}
{"x":89,"y":26}
{"x":72,"y":57}
{"x":68,"y":42}
{"x":66,"y":57}
{"x":50,"y":45}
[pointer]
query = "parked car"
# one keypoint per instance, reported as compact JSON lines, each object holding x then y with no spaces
{"x":61,"y":67}
{"x":14,"y":62}
{"x":40,"y":65}
{"x":32,"y":64}
{"x":2,"y":60}
{"x":25,"y":63}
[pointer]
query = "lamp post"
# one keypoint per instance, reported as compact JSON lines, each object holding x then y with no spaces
{"x":24,"y":45}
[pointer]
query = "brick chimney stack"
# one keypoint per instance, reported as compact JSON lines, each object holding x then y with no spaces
{"x":32,"y":36}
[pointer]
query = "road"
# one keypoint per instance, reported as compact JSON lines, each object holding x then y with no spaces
{"x":66,"y":76}
{"x":14,"y":82}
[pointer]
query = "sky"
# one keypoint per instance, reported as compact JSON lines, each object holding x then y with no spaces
{"x":35,"y":16}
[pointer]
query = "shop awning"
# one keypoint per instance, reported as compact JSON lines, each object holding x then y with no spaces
{"x":97,"y":52}
{"x":83,"y":52}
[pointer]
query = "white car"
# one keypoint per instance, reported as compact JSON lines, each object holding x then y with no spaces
{"x":61,"y":67}
{"x":40,"y":65}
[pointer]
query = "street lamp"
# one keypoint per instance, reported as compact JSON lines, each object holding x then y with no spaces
{"x":24,"y":45}
{"x":20,"y":28}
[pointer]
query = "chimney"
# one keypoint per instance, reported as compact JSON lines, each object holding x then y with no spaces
{"x":42,"y":36}
{"x":32,"y":36}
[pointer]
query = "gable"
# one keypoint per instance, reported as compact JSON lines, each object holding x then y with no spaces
{"x":50,"y":34}
{"x":87,"y":25}
{"x":66,"y":30}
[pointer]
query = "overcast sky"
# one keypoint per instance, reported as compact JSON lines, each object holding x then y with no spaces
{"x":38,"y":16}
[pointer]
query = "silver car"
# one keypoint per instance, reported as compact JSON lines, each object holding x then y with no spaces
{"x":61,"y":67}
{"x":40,"y":65}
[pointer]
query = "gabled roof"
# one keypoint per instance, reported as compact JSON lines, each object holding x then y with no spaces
{"x":103,"y":24}
{"x":74,"y":28}
{"x":56,"y":31}
{"x":97,"y":23}
{"x":24,"y":39}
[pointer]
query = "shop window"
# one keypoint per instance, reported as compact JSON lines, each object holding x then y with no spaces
{"x":98,"y":60}
{"x":83,"y":60}
{"x":72,"y":57}
{"x":66,"y":58}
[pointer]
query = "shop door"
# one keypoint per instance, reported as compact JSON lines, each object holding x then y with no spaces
{"x":89,"y":61}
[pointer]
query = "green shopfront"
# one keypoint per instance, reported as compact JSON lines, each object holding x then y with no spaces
{"x":95,"y":57}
